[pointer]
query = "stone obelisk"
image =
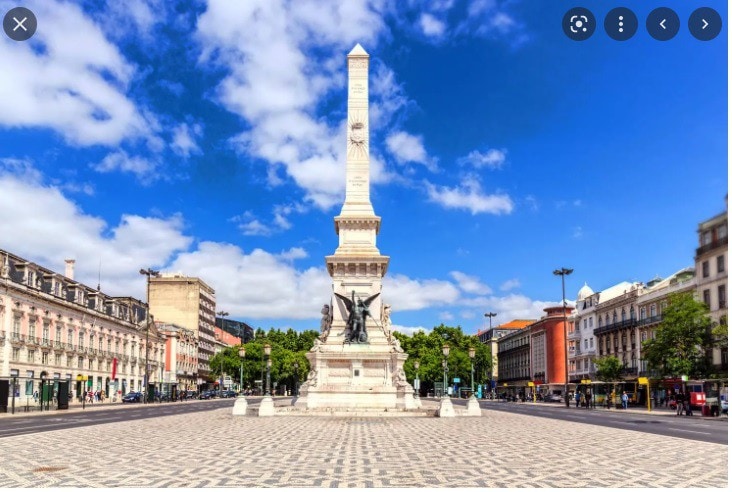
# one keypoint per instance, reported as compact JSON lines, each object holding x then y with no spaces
{"x":347,"y":372}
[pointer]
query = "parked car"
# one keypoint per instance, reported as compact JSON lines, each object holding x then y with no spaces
{"x":207,"y":395}
{"x":725,"y":404}
{"x":553,"y":398}
{"x":132,"y":397}
{"x":229,"y":394}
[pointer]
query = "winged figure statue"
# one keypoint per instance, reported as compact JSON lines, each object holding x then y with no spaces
{"x":358,"y":311}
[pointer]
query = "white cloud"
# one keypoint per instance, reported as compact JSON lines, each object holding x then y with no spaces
{"x":510,"y":284}
{"x":143,"y":169}
{"x":467,"y":314}
{"x":48,"y":228}
{"x":431,"y":26}
{"x":445,"y":316}
{"x":577,"y":232}
{"x":409,"y":148}
{"x":410,"y":330}
{"x":184,"y":139}
{"x":71,"y":79}
{"x":276,"y":87}
{"x":470,"y":284}
{"x":492,"y":159}
{"x":532,"y":203}
{"x":469,"y":196}
{"x":255,"y":228}
{"x":405,"y":294}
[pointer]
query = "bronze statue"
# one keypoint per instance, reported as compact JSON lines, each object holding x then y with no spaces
{"x":357,"y":313}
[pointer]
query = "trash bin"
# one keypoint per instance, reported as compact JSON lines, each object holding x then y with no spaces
{"x":706,"y":411}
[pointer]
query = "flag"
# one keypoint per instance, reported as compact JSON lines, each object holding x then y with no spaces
{"x":114,"y":368}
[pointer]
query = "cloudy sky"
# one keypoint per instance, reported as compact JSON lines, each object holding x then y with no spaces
{"x":208,"y":138}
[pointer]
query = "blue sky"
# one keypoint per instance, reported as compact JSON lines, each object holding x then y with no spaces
{"x":208,"y":138}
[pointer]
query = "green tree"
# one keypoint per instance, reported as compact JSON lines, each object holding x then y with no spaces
{"x":680,"y":342}
{"x":608,"y":368}
{"x":719,"y":333}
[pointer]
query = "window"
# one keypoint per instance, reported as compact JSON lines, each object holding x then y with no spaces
{"x":81,"y":363}
{"x":81,"y":340}
{"x":44,"y":358}
{"x":622,"y":315}
{"x":643,"y":313}
{"x":16,"y":354}
{"x":58,"y":334}
{"x":57,"y":360}
{"x":91,"y":340}
{"x":706,"y":238}
{"x":91,"y":362}
{"x":16,"y":326}
{"x":70,"y":338}
{"x":720,"y":264}
{"x":586,"y":343}
{"x":590,"y":322}
{"x":101,"y":343}
{"x":31,"y":356}
{"x":587,"y":364}
{"x":592,"y":342}
{"x":663,"y":306}
{"x":722,"y":231}
{"x":615,"y":316}
{"x":653,"y":310}
{"x":705,"y":269}
{"x":707,"y":298}
{"x":32,"y":328}
{"x":46,"y":332}
{"x":109,"y":345}
{"x":584,"y":321}
{"x":722,"y":296}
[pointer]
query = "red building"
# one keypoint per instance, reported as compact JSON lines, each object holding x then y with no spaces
{"x":548,"y":341}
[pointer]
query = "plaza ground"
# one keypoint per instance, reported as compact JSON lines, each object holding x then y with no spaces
{"x":216,"y":449}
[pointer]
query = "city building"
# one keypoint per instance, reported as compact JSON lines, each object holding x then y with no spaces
{"x":237,"y":328}
{"x":190,"y":303}
{"x":54,"y":327}
{"x":547,"y":350}
{"x":181,"y":358}
{"x":581,"y":339}
{"x":491,"y":337}
{"x":711,"y":278}
{"x":514,"y":354}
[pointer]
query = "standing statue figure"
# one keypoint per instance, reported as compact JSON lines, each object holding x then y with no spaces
{"x":386,"y":321}
{"x":358,"y":311}
{"x":325,"y":322}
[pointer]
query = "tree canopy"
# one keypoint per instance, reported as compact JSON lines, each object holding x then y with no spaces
{"x":608,"y":368}
{"x":679,"y":343}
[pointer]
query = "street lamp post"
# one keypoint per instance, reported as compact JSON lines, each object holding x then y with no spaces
{"x":148,"y":273}
{"x":445,"y":353}
{"x":223,"y":315}
{"x":471,"y":353}
{"x":490,"y":316}
{"x":296,"y":366}
{"x":267,"y":351}
{"x":242,"y":354}
{"x":564,"y":272}
{"x":416,"y":379}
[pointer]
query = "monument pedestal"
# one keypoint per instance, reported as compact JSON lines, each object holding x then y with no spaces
{"x":446,"y":409}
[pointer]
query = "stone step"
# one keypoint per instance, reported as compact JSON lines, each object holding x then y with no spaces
{"x":355,"y":412}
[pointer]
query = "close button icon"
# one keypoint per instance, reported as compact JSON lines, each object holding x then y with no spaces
{"x":20,"y":24}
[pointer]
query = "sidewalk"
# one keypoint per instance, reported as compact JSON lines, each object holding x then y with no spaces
{"x":656,"y":411}
{"x":77,"y":407}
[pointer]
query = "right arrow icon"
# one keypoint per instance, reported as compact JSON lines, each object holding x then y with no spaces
{"x":705,"y":23}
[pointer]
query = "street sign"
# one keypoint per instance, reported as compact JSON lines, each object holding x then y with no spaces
{"x":642,"y":380}
{"x":531,"y":384}
{"x":455,"y":380}
{"x":586,"y":381}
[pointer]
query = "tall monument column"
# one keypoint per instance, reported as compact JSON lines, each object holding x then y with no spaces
{"x":356,"y":362}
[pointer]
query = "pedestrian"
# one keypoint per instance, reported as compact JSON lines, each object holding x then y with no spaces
{"x":35,"y":396}
{"x":679,"y":403}
{"x":687,"y":404}
{"x":576,"y":399}
{"x":588,"y":397}
{"x":624,"y":400}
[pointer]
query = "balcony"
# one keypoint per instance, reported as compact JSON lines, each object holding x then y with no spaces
{"x":620,"y":325}
{"x":58,"y":345}
{"x":652,"y":319}
{"x":33,"y":341}
{"x":17,"y":338}
{"x":721,"y":242}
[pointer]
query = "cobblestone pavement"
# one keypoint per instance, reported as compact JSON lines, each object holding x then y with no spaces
{"x":217,"y":449}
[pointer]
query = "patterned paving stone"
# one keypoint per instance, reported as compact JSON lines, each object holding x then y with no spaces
{"x":216,"y":449}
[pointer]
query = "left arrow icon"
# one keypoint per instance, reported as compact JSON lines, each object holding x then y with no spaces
{"x":662,"y":23}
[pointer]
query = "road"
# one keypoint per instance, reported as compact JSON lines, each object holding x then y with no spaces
{"x":57,"y":419}
{"x":661,"y":422}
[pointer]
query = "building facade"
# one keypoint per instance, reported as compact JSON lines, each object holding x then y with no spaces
{"x":181,"y":357}
{"x":711,"y":278}
{"x":514,"y":355}
{"x":492,"y":336}
{"x":239,"y":329}
{"x":53,"y":327}
{"x":190,"y":303}
{"x":547,"y":351}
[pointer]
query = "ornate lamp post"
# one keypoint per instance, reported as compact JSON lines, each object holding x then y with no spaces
{"x":242,"y":354}
{"x":223,"y":315}
{"x":445,"y":353}
{"x":564,"y":272}
{"x":267,"y":351}
{"x":148,"y":273}
{"x":471,"y":353}
{"x":416,"y":379}
{"x":296,"y":366}
{"x":490,"y":316}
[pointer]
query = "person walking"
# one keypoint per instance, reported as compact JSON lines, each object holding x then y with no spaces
{"x":679,"y":403}
{"x":687,"y":404}
{"x":576,"y":399}
{"x":624,"y":400}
